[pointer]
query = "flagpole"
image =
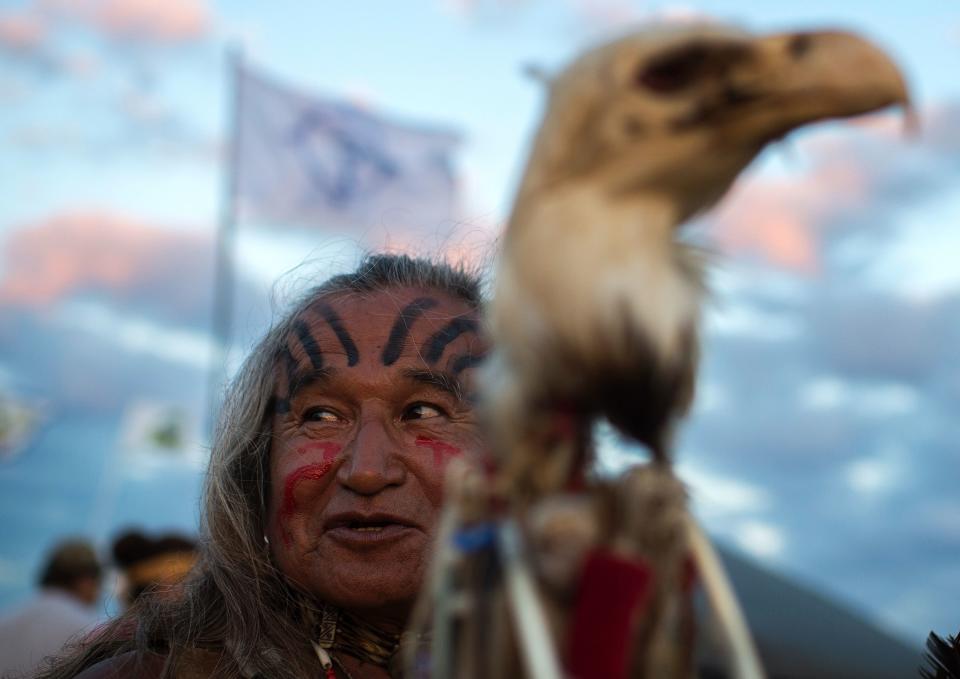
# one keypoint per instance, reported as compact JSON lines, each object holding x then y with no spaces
{"x":222,"y":315}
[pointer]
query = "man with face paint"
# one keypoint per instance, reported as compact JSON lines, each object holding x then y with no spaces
{"x":324,"y":487}
{"x":372,"y":401}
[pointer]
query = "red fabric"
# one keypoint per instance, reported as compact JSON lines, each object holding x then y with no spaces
{"x":612,"y":593}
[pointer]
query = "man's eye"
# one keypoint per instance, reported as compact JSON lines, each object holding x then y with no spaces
{"x":321,"y":415}
{"x":422,"y":411}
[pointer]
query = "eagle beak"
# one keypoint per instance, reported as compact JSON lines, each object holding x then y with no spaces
{"x":798,"y":78}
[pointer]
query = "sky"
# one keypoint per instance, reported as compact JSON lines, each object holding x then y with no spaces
{"x":823,"y":439}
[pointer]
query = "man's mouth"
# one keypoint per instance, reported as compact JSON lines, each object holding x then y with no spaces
{"x":371,"y":527}
{"x":365,"y":521}
{"x":365,"y":529}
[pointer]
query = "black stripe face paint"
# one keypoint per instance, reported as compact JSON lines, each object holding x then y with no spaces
{"x":401,"y":327}
{"x":333,"y":320}
{"x":461,"y":363}
{"x":309,"y":344}
{"x":290,"y":364}
{"x":434,"y":347}
{"x":282,"y":405}
{"x":414,"y":331}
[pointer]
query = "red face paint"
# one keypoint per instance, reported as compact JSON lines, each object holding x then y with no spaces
{"x":440,"y":449}
{"x":313,"y":472}
{"x":329,"y":450}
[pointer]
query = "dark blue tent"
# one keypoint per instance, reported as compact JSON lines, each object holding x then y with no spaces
{"x":803,"y":635}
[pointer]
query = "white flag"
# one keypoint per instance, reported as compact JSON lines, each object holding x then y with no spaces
{"x":307,"y":160}
{"x":164,"y":430}
{"x":18,"y":422}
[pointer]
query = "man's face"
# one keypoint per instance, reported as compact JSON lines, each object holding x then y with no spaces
{"x":372,"y":402}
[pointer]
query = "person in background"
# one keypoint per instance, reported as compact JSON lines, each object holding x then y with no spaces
{"x":61,"y":610}
{"x":152,"y":564}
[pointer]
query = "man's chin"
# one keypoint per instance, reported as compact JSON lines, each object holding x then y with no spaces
{"x":388,"y":597}
{"x":372,"y":577}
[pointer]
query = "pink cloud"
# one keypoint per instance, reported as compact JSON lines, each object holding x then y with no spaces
{"x":602,"y":17}
{"x":97,"y":252}
{"x":21,"y":32}
{"x":606,"y":15}
{"x":30,"y":34}
{"x":161,"y":21}
{"x":856,"y":173}
{"x":81,"y":65}
{"x":779,"y":220}
{"x":172,"y":20}
{"x":471,"y":241}
{"x":465,"y":8}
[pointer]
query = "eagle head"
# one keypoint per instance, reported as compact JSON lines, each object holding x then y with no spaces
{"x":680,"y":110}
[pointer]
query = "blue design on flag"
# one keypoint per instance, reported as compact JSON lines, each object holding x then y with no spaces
{"x":357,"y":166}
{"x":308,"y":160}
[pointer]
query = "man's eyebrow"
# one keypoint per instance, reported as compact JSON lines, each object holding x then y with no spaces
{"x":297,"y":380}
{"x":301,"y":379}
{"x":437,"y":378}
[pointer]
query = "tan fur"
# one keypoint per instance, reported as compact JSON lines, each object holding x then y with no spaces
{"x":592,"y":281}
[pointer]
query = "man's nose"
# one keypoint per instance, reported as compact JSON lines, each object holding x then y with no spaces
{"x":372,"y":462}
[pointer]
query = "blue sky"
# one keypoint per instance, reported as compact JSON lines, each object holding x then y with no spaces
{"x":824,"y":437}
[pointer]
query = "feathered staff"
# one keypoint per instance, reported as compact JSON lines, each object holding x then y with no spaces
{"x":943,"y":658}
{"x":595,"y":316}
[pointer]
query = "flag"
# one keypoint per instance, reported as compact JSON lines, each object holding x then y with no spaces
{"x":305,"y":159}
{"x":159,"y":430}
{"x":18,"y":422}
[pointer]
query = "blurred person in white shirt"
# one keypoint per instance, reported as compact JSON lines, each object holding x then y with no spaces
{"x":63,"y":609}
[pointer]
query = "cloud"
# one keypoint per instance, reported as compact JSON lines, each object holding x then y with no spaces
{"x":24,"y":42}
{"x":732,"y":317}
{"x":136,"y":40}
{"x":846,"y":428}
{"x":761,"y":539}
{"x":871,"y":334}
{"x":879,"y":399}
{"x":138,"y":121}
{"x":138,"y":335}
{"x":160,"y":271}
{"x":38,"y":37}
{"x":79,"y":367}
{"x":472,"y":8}
{"x":471,"y":242}
{"x":98,"y":307}
{"x":160,"y":22}
{"x":872,"y":475}
{"x":589,"y":19}
{"x":150,"y":123}
{"x":606,"y":15}
{"x":853,"y":182}
{"x":598,"y":19}
{"x":772,"y":220}
{"x":718,"y":496}
{"x":832,"y":341}
{"x":57,"y":139}
{"x":21,"y":32}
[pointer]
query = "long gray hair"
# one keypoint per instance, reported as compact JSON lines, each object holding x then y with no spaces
{"x":236,"y":602}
